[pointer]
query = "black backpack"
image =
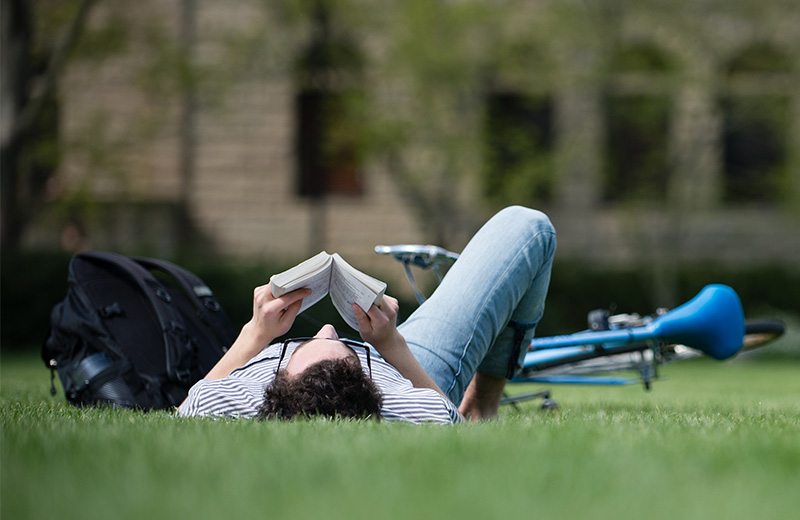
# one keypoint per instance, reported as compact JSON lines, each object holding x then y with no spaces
{"x":133,"y":332}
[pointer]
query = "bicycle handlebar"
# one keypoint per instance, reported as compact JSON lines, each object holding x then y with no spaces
{"x":423,"y":256}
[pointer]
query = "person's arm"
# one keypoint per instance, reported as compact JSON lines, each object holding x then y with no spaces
{"x":379,"y":328}
{"x":272,"y":317}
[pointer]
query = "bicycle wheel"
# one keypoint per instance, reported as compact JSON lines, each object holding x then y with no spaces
{"x":758,"y":333}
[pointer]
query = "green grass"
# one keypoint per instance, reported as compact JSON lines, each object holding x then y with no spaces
{"x":711,"y":440}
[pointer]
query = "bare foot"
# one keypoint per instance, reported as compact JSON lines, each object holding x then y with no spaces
{"x":481,"y":400}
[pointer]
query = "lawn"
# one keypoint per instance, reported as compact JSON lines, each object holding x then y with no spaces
{"x":711,"y":440}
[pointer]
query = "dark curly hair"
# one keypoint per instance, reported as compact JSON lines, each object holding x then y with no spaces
{"x":334,"y":388}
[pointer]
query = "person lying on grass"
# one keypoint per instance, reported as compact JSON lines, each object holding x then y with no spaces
{"x":450,"y":360}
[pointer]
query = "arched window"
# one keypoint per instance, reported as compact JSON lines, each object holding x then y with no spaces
{"x":755,"y":109}
{"x":329,"y":135}
{"x":638,"y":114}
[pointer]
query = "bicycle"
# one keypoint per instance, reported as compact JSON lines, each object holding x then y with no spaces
{"x":711,"y":324}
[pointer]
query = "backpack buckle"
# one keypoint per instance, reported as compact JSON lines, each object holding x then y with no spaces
{"x":183,"y":376}
{"x":108,"y":311}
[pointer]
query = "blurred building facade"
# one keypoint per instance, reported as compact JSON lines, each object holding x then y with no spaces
{"x":650,"y":132}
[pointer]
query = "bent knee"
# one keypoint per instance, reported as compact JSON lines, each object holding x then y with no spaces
{"x":533,"y":219}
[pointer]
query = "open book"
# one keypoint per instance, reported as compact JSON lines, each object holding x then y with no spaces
{"x":325,"y":273}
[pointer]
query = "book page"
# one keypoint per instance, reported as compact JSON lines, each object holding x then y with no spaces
{"x":314,"y":273}
{"x":348,"y":286}
{"x":373,"y":284}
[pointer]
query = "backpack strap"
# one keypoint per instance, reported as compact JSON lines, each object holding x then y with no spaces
{"x":180,"y":348}
{"x":205,"y":303}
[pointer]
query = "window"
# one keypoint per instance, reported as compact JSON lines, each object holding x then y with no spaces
{"x":637,"y":136}
{"x":755,"y":112}
{"x":636,"y":162}
{"x":518,"y":166}
{"x":329,"y":134}
{"x":328,"y":143}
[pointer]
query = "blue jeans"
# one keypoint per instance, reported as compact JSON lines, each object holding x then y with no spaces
{"x":488,"y":304}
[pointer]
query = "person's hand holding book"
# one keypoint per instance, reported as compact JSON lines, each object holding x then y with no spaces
{"x":378,"y":326}
{"x":273,"y":317}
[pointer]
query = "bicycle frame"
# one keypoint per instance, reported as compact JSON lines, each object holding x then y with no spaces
{"x":711,"y":323}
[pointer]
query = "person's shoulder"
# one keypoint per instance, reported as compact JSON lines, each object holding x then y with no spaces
{"x":419,"y":405}
{"x":227,"y":397}
{"x":262,"y":367}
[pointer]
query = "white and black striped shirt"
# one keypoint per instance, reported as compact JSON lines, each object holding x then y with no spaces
{"x":242,"y":392}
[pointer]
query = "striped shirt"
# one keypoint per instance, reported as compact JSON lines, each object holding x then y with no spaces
{"x":242,"y":392}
